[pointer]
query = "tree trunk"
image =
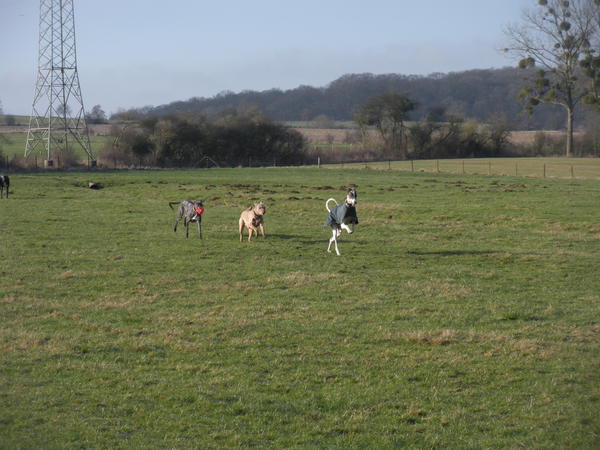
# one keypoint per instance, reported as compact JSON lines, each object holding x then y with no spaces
{"x":569,"y":132}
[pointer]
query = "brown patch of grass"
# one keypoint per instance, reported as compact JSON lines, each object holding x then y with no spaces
{"x":238,"y":286}
{"x":296,"y":279}
{"x":440,"y":289}
{"x":114,"y":301}
{"x":66,"y":275}
{"x":586,"y":334}
{"x":529,"y":347}
{"x":413,"y":415}
{"x":29,"y":341}
{"x":442,"y":337}
{"x":8,"y":299}
{"x":502,"y":343}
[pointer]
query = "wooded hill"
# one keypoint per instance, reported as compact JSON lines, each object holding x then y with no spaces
{"x":473,"y":94}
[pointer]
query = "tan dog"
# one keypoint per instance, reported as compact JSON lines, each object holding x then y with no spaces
{"x":252,"y":218}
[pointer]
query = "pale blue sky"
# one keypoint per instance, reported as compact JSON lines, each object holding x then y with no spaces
{"x":133,"y":53}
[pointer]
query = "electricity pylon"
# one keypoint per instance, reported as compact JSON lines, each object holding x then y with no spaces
{"x":57,"y":119}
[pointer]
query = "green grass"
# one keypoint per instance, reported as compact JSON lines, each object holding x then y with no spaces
{"x":463,"y":313}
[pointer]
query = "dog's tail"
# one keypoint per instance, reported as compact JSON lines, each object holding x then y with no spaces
{"x":327,"y":203}
{"x":173,"y":203}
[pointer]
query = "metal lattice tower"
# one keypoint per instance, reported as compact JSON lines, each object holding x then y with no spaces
{"x":57,"y":119}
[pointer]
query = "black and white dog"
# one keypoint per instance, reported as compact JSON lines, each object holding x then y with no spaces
{"x":4,"y":184}
{"x":190,"y":212}
{"x":341,"y":217}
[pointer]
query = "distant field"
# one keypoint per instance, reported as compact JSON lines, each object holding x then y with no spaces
{"x":339,"y":136}
{"x":585,"y":168}
{"x":18,"y":120}
{"x":14,"y":144}
{"x":463,"y":313}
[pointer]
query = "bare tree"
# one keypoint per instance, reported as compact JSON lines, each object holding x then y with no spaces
{"x":553,"y":38}
{"x":591,"y":62}
{"x":96,"y":115}
{"x":387,"y":112}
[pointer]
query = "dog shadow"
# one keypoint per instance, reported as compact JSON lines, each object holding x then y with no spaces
{"x":284,"y":237}
{"x":301,"y":239}
{"x":451,"y":252}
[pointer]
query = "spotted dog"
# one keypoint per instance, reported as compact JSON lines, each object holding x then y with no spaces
{"x":189,"y":211}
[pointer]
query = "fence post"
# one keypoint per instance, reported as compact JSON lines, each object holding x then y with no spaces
{"x":572,"y":173}
{"x":318,"y":162}
{"x":463,"y":166}
{"x":412,"y":165}
{"x":544,"y":170}
{"x":389,"y":165}
{"x":437,"y":165}
{"x":516,"y":169}
{"x":489,"y":167}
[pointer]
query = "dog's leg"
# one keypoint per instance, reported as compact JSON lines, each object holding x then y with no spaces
{"x":199,"y":229}
{"x":187,"y":227}
{"x":179,"y":216}
{"x":251,"y":231}
{"x":241,"y":229}
{"x":347,"y":228}
{"x":331,"y":240}
{"x":262,"y":230}
{"x":335,"y":233}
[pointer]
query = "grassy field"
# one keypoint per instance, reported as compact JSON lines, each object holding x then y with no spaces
{"x":584,"y":168}
{"x":463,"y":313}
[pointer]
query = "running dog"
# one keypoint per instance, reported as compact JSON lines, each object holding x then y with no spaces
{"x":252,"y":218}
{"x":4,"y":183}
{"x":341,"y":217}
{"x":190,"y":212}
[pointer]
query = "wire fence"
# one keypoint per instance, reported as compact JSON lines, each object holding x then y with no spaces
{"x":575,"y":168}
{"x":582,"y":168}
